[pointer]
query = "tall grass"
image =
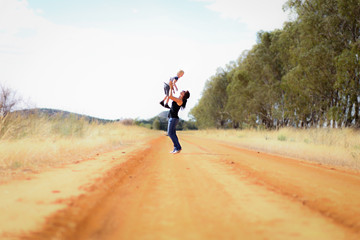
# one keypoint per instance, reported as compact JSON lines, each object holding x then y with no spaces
{"x":338,"y":147}
{"x":28,"y":143}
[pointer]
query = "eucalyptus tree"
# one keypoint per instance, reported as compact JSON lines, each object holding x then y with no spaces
{"x":210,"y":110}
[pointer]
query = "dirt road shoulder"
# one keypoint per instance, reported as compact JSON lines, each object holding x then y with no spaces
{"x":25,"y":204}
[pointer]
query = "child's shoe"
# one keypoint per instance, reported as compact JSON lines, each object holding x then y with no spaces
{"x":162,"y":103}
{"x":167,"y":106}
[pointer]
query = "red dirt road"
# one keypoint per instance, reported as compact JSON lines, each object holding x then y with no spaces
{"x":211,"y":190}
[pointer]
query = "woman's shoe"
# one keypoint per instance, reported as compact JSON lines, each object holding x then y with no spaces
{"x":176,"y":151}
{"x":167,"y":106}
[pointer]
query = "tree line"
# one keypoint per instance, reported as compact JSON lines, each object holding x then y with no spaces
{"x":160,"y":122}
{"x":306,"y":74}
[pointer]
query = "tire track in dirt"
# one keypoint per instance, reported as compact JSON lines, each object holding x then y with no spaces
{"x":209,"y":191}
{"x":335,"y":193}
{"x":65,"y":224}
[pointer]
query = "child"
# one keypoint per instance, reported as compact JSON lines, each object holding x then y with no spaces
{"x":170,"y":87}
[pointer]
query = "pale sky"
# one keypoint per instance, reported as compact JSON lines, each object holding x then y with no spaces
{"x":109,"y":58}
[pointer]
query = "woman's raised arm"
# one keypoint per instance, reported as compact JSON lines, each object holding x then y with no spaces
{"x":177,"y":100}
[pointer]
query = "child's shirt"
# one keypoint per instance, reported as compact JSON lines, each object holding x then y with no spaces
{"x":171,"y":81}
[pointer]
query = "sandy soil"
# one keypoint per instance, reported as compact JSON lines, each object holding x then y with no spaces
{"x":211,"y":190}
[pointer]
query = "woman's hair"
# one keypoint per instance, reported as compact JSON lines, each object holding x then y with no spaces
{"x":185,"y":98}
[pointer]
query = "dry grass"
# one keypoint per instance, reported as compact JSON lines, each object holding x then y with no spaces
{"x":335,"y":147}
{"x":32,"y":142}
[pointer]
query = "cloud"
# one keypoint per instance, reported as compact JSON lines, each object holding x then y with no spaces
{"x":256,"y":14}
{"x":15,"y":15}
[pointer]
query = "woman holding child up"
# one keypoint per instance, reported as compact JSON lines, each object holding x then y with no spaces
{"x":178,"y":102}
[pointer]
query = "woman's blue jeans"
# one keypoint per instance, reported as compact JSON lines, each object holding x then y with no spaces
{"x":172,"y":132}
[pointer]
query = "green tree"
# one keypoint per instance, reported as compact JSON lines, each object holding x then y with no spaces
{"x":304,"y":75}
{"x":315,"y":69}
{"x":210,"y":110}
{"x":156,"y":124}
{"x":238,"y":97}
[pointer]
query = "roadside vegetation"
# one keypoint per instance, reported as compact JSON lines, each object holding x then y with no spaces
{"x":32,"y":141}
{"x":331,"y":147}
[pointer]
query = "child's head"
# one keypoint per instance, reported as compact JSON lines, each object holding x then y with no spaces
{"x":180,"y":74}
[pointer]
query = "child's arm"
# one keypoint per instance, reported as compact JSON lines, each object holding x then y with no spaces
{"x":175,"y":86}
{"x":172,"y":88}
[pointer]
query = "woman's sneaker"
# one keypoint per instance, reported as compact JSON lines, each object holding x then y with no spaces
{"x":167,"y":106}
{"x":176,"y":151}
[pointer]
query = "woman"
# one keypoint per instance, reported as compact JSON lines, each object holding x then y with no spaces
{"x":174,"y":117}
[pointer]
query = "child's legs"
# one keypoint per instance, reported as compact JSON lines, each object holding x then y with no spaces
{"x":167,"y":91}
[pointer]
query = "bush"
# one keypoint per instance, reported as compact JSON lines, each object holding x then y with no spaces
{"x":156,"y":124}
{"x":281,"y":137}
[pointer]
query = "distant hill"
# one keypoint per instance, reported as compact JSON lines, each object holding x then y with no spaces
{"x":163,"y":115}
{"x":65,"y":114}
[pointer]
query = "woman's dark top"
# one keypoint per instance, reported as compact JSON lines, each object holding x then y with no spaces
{"x":174,"y":110}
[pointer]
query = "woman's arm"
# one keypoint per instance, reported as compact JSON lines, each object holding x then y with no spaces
{"x":177,"y":100}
